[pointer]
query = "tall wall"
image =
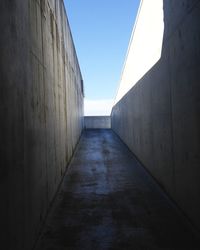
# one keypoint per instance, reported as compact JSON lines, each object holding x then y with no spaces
{"x":41,"y":97}
{"x":159,"y":118}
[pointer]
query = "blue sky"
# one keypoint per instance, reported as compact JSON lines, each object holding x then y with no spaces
{"x":101,"y":30}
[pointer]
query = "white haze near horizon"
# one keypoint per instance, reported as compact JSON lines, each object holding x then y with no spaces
{"x":98,"y":107}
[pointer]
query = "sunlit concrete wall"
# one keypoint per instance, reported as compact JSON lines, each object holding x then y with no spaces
{"x":145,"y":45}
{"x":159,"y":117}
{"x":41,"y":97}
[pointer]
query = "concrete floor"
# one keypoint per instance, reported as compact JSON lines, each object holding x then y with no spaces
{"x":108,"y":201}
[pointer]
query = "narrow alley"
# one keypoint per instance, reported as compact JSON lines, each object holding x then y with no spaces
{"x":107,"y":200}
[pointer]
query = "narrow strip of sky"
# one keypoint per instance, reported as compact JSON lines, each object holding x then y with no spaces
{"x":101,"y":31}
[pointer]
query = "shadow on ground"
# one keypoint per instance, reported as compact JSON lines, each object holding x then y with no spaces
{"x":108,"y":201}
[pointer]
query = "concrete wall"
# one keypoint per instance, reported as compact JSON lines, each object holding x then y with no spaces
{"x":41,"y":113}
{"x":91,"y":122}
{"x":159,"y":117}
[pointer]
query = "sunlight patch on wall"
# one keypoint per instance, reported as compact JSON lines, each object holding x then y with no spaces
{"x":145,"y":45}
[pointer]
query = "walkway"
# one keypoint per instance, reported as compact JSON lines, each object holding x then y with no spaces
{"x":108,"y":201}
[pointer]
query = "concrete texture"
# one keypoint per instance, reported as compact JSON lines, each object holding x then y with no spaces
{"x":108,"y":201}
{"x":159,"y":117}
{"x":41,"y":97}
{"x":97,"y":122}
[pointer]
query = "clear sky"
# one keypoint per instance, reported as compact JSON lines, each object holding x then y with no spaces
{"x":101,"y":30}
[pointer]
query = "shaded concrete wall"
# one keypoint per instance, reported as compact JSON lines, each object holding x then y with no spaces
{"x":41,"y":114}
{"x":159,"y":117}
{"x":97,"y":122}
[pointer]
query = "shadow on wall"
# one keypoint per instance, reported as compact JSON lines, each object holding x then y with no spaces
{"x":41,"y":113}
{"x":159,"y":117}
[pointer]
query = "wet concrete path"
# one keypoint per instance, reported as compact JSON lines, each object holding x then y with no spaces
{"x":108,"y":201}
